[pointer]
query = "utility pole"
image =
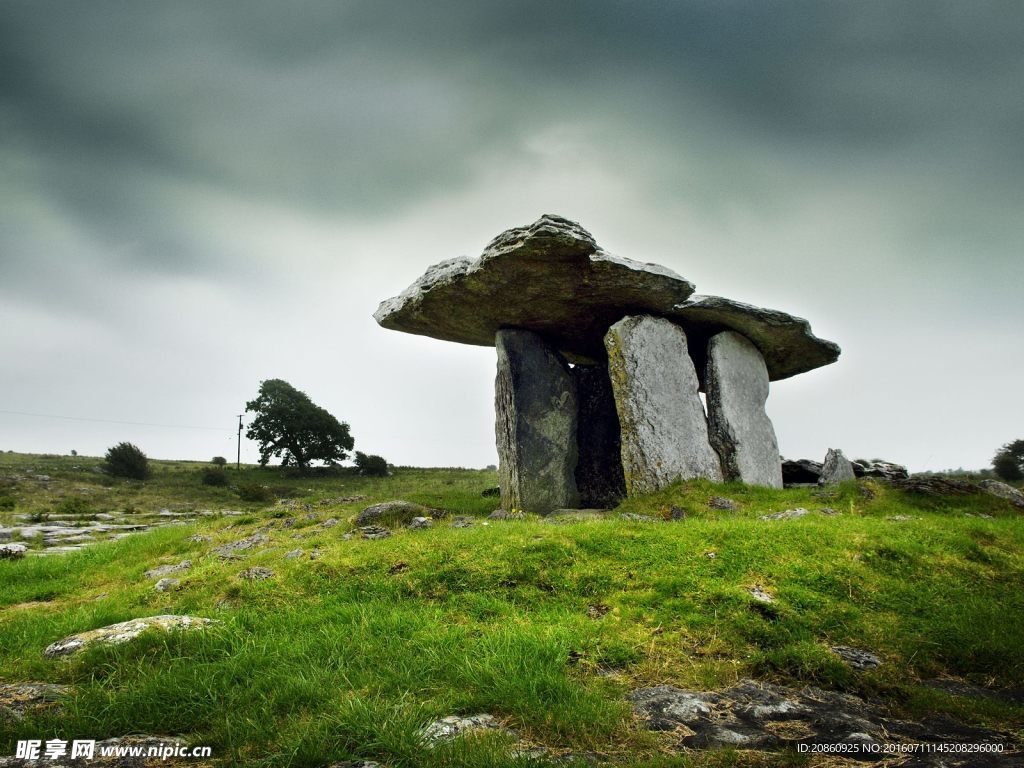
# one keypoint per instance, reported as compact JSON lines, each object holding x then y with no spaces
{"x":238,"y":459}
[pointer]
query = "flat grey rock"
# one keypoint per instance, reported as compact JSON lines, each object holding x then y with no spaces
{"x":12,"y":551}
{"x":166,"y":584}
{"x":1003,"y":491}
{"x":738,"y":427}
{"x":881,"y":470}
{"x":420,"y":522}
{"x":789,"y":514}
{"x":18,"y":699}
{"x":397,"y":512}
{"x":164,"y":570}
{"x":535,"y":424}
{"x":372,"y":532}
{"x":856,"y":657}
{"x":663,"y":429}
{"x":123,"y":632}
{"x":230,"y":550}
{"x":549,"y":277}
{"x":720,"y":502}
{"x":836,"y":468}
{"x":786,"y":342}
{"x":256,"y":573}
{"x":452,"y":727}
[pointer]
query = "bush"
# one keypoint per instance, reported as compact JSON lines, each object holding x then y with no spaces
{"x":127,"y":460}
{"x":7,"y":503}
{"x":75,"y":505}
{"x":214,"y":476}
{"x":255,"y":492}
{"x":371,"y":466}
{"x":220,"y":461}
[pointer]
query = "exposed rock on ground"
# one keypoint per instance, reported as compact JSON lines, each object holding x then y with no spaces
{"x":450,"y":728}
{"x":664,"y":431}
{"x":935,"y":486}
{"x":883,"y":470}
{"x":12,"y":551}
{"x":17,"y":699}
{"x":836,"y":469}
{"x":789,"y":514}
{"x":256,"y":573}
{"x":229,"y":551}
{"x":720,"y":502}
{"x":374,"y":532}
{"x":397,"y":512}
{"x":856,"y":657}
{"x":164,"y":570}
{"x":1003,"y":491}
{"x":166,"y":584}
{"x":123,"y":632}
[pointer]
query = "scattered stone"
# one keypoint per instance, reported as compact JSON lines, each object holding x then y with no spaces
{"x":789,"y":514}
{"x":18,"y":699}
{"x":738,"y":427}
{"x":123,"y":632}
{"x":12,"y":551}
{"x":599,"y":477}
{"x":256,"y":573}
{"x":163,"y":570}
{"x":329,"y":522}
{"x":1003,"y":491}
{"x":228,"y":551}
{"x":830,"y":512}
{"x":293,"y":554}
{"x":632,"y":516}
{"x":461,"y":521}
{"x":535,"y":424}
{"x":598,"y":610}
{"x":882,"y":470}
{"x":166,"y":584}
{"x":491,"y":492}
{"x":710,"y":555}
{"x":836,"y":469}
{"x":760,"y":595}
{"x":502,"y":514}
{"x":855,"y":657}
{"x":664,"y":431}
{"x":800,"y":472}
{"x":421,"y":522}
{"x":720,"y":502}
{"x":452,"y":727}
{"x":676,"y":513}
{"x":374,"y":532}
{"x":396,"y":512}
{"x":199,"y":538}
{"x":929,"y":485}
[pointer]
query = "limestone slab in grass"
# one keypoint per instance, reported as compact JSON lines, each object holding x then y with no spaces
{"x":452,"y":727}
{"x":12,"y":551}
{"x":396,"y":512}
{"x":18,"y":699}
{"x":124,"y":632}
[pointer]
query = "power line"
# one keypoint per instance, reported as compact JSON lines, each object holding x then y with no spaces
{"x":113,"y":421}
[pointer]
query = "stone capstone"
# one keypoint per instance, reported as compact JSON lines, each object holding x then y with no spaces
{"x":123,"y":632}
{"x":549,"y":277}
{"x":836,"y":469}
{"x":599,"y":476}
{"x":738,"y":427}
{"x":663,"y":429}
{"x":535,"y":424}
{"x":785,"y":341}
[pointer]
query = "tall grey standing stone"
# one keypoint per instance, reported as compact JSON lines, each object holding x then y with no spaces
{"x":599,"y":469}
{"x":535,"y":425}
{"x":739,"y":429}
{"x":836,"y":468}
{"x":664,"y":431}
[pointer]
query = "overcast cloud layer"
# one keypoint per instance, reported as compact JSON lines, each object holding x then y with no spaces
{"x":196,"y":196}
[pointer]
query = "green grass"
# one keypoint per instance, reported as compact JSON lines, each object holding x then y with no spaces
{"x":545,"y":626}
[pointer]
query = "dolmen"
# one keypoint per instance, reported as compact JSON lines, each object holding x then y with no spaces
{"x":601,"y":365}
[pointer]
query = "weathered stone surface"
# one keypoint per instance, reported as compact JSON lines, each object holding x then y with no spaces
{"x":929,"y":485}
{"x":230,"y":550}
{"x":12,"y":551}
{"x":166,"y":584}
{"x":599,"y":477}
{"x":504,"y":514}
{"x":789,"y":514}
{"x":753,"y":715}
{"x":663,"y":428}
{"x":549,"y":277}
{"x":123,"y":632}
{"x":420,"y":522}
{"x":396,"y":512}
{"x":836,"y":469}
{"x":452,"y":727}
{"x":720,"y":502}
{"x":372,"y":532}
{"x":1003,"y":491}
{"x":738,"y":427}
{"x":163,"y":570}
{"x":256,"y":573}
{"x":18,"y":699}
{"x":786,"y":341}
{"x":882,"y":470}
{"x":856,"y":657}
{"x":535,"y":424}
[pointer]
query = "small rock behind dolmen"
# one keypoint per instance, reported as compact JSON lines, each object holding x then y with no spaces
{"x":396,"y":512}
{"x":123,"y":632}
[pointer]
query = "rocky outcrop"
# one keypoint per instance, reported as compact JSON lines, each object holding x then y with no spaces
{"x":599,"y":477}
{"x":549,"y":277}
{"x":397,"y":512}
{"x":881,"y":470}
{"x":738,"y":427}
{"x":663,"y":429}
{"x":535,"y":424}
{"x":785,"y":341}
{"x":836,"y":469}
{"x":123,"y":632}
{"x":1003,"y":491}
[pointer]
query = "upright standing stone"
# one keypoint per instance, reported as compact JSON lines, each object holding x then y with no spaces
{"x":664,"y":431}
{"x":739,"y":429}
{"x":599,"y":469}
{"x":836,"y":468}
{"x":535,"y":426}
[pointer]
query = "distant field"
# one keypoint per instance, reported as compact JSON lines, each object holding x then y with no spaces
{"x":545,"y":625}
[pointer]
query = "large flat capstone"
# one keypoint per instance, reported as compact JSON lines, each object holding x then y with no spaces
{"x":663,"y":428}
{"x":739,"y":429}
{"x":550,"y":277}
{"x":535,"y":424}
{"x":785,"y":341}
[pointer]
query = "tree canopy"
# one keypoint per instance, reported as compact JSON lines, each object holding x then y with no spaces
{"x":291,"y":426}
{"x":1009,"y":461}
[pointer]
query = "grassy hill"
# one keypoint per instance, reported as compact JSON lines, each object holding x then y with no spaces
{"x":546,"y":624}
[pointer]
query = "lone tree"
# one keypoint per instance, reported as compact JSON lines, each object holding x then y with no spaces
{"x":127,"y":460}
{"x":290,"y":425}
{"x":1009,"y":462}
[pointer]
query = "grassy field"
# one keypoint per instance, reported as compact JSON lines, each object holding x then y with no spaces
{"x":544,"y":625}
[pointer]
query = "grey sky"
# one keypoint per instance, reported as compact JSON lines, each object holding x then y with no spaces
{"x":196,"y":196}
